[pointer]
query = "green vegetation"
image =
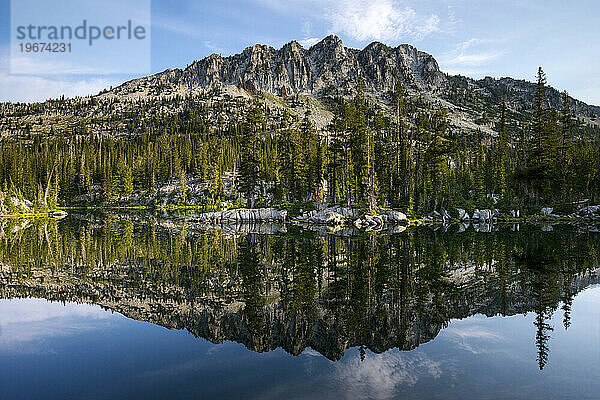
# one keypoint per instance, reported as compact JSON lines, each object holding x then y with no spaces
{"x":406,"y":156}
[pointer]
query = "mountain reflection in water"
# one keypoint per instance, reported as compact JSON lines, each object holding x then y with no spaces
{"x":300,"y":289}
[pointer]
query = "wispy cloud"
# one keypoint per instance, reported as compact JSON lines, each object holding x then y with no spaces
{"x":212,"y":47}
{"x":384,"y":20}
{"x":25,"y":323}
{"x":471,"y":56}
{"x":378,"y":375}
{"x":306,"y":43}
{"x":24,"y":88}
{"x":40,"y":87}
{"x":452,"y":20}
{"x":19,"y":311}
{"x":177,"y":26}
{"x":473,"y":332}
{"x":473,"y":60}
{"x":474,"y":335}
{"x":42,"y":66}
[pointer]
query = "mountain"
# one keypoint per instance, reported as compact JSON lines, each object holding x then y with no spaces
{"x":328,"y":68}
{"x":279,"y":77}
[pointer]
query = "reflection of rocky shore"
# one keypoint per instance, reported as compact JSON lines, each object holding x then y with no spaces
{"x":296,"y":292}
{"x":325,"y":329}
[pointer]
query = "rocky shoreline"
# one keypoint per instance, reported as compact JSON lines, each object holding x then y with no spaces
{"x":346,"y":220}
{"x":340,"y":217}
{"x":330,"y":216}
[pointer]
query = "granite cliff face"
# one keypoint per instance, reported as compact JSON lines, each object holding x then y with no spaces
{"x":326,"y":67}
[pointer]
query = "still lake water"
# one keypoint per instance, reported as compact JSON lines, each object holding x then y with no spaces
{"x":119,"y":307}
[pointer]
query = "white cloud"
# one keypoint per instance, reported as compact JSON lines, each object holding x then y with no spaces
{"x":473,"y":60}
{"x":306,"y":43}
{"x":467,"y":44}
{"x":474,"y":334}
{"x":382,"y":20}
{"x":362,"y":20}
{"x":213,"y":48}
{"x":45,"y":85}
{"x":306,"y":28}
{"x":25,"y":323}
{"x":24,"y":88}
{"x":471,"y":57}
{"x":452,"y":21}
{"x":378,"y":375}
{"x":18,"y":311}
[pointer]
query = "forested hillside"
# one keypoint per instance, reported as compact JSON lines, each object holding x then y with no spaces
{"x":226,"y":146}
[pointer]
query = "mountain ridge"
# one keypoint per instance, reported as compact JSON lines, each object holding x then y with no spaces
{"x":309,"y":71}
{"x":328,"y":68}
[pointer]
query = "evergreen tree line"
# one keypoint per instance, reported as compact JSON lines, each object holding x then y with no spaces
{"x":404,"y":156}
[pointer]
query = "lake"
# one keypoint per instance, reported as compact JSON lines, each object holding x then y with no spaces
{"x":120,"y":306}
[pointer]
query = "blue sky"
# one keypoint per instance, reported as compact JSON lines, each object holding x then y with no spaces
{"x":474,"y":38}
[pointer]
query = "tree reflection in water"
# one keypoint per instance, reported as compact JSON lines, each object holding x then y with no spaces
{"x":299,"y":289}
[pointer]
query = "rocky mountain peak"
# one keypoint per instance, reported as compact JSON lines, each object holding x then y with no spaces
{"x":293,"y":46}
{"x":331,"y":41}
{"x":327,"y":65}
{"x":376,"y":47}
{"x":330,"y":68}
{"x":257,"y":49}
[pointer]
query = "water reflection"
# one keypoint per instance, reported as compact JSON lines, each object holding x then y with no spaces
{"x":299,"y":289}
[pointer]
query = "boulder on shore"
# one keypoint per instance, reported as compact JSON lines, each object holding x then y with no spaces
{"x":327,"y":217}
{"x":335,"y":215}
{"x":244,"y":215}
{"x":482,"y":215}
{"x":462,"y":215}
{"x":369,"y":221}
{"x":589,"y":209}
{"x":58,"y":214}
{"x":435,"y":216}
{"x":394,"y":216}
{"x":445,"y":215}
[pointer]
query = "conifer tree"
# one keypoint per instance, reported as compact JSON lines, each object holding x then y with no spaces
{"x":249,"y":169}
{"x":501,"y":154}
